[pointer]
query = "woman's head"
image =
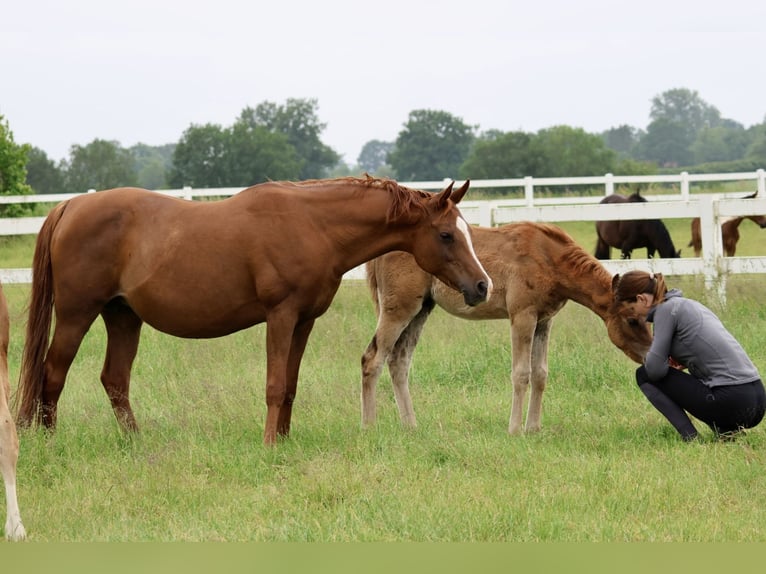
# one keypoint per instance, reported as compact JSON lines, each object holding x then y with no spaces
{"x":628,"y":286}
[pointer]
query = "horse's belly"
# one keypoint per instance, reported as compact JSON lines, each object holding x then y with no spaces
{"x":197,"y":319}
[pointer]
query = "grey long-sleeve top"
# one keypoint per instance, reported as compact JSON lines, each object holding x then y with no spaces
{"x":695,"y":337}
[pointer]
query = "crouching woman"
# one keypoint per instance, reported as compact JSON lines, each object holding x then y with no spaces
{"x":722,"y":387}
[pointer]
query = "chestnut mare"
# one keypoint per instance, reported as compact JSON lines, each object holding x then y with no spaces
{"x":729,"y":231}
{"x":535,"y":270}
{"x":275,"y":252}
{"x":9,"y":440}
{"x":631,"y":234}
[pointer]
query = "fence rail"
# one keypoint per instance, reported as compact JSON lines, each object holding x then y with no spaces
{"x":712,"y":209}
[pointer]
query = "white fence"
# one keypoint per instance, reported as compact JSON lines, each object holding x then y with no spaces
{"x":712,"y":209}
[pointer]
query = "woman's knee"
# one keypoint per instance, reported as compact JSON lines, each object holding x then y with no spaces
{"x":641,"y":376}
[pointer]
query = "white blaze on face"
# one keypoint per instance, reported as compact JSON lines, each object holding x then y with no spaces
{"x":462,"y":225}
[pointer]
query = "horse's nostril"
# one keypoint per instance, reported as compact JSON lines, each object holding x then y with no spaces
{"x":482,"y":288}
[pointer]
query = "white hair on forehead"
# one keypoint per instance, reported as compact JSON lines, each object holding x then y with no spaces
{"x":462,"y":225}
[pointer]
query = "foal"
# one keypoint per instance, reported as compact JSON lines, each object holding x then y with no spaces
{"x":9,"y":440}
{"x":535,"y":269}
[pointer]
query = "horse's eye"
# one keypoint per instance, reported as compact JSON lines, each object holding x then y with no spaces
{"x":633,"y":322}
{"x":446,"y":237}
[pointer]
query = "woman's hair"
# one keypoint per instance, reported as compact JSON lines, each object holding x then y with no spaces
{"x":626,"y":287}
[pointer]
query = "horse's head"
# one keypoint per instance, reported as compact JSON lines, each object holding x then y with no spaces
{"x":443,"y":246}
{"x":759,"y":220}
{"x":629,"y":332}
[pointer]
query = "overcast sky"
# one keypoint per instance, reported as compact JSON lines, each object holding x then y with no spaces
{"x":145,"y":70}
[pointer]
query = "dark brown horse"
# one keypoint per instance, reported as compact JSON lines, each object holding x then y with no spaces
{"x":275,"y":252}
{"x":9,"y":440}
{"x":535,"y":270}
{"x":632,"y":234}
{"x":729,"y":231}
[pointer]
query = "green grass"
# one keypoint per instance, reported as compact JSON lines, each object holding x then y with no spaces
{"x":605,"y":467}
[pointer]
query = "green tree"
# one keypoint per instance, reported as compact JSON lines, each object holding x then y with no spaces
{"x":497,"y":155}
{"x":432,"y":146}
{"x":43,"y":175}
{"x":756,"y":149}
{"x":98,"y":165}
{"x":152,"y":164}
{"x":255,"y":155}
{"x":567,"y":151}
{"x":199,"y":158}
{"x":686,"y":108}
{"x":666,"y":143}
{"x":622,"y":139}
{"x":298,"y":120}
{"x":13,"y":170}
{"x":374,"y":155}
{"x":720,"y":143}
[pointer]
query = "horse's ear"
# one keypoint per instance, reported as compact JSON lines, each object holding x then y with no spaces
{"x":442,"y":197}
{"x":460,"y":192}
{"x":615,"y":282}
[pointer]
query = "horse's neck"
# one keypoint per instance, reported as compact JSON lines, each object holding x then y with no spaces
{"x":591,"y":290}
{"x":359,"y":228}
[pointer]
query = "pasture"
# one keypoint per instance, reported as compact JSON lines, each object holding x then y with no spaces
{"x":605,"y":467}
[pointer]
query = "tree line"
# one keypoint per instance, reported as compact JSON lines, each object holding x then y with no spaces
{"x":283,"y":142}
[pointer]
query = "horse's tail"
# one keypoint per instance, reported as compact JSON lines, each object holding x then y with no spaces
{"x":32,"y":376}
{"x":372,"y":283}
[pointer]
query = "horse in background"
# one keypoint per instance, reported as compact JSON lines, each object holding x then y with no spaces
{"x":535,"y":269}
{"x":9,"y":440}
{"x":729,"y":231}
{"x":274,"y":253}
{"x":632,"y":234}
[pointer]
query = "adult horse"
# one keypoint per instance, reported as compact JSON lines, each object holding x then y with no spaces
{"x":9,"y":440}
{"x":535,"y":269}
{"x":632,"y":234}
{"x":275,"y":252}
{"x":729,"y":231}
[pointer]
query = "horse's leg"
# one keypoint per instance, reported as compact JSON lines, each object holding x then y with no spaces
{"x":522,"y":332}
{"x":602,"y":249}
{"x":67,"y":336}
{"x":539,"y":375}
{"x":392,"y":322}
{"x":399,"y":362}
{"x":9,"y":454}
{"x":280,"y":326}
{"x":298,"y":346}
{"x":123,"y":329}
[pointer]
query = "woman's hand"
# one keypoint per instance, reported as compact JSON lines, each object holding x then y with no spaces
{"x":675,"y":364}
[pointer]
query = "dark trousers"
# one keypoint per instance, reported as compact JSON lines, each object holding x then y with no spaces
{"x":724,"y":409}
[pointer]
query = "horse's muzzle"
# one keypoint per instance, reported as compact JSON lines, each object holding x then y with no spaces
{"x":478,"y":294}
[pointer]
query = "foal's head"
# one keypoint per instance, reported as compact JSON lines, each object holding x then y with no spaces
{"x":759,"y":220}
{"x":629,"y":333}
{"x":443,"y":246}
{"x":628,"y":328}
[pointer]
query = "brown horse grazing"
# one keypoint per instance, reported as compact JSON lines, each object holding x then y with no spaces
{"x":275,"y":252}
{"x":632,"y":234}
{"x":9,"y":440}
{"x":535,"y":270}
{"x":729,"y":231}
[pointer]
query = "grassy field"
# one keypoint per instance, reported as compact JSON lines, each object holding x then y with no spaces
{"x":605,"y":467}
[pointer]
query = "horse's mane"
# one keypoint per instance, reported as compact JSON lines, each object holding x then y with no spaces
{"x":580,"y":261}
{"x":403,"y":198}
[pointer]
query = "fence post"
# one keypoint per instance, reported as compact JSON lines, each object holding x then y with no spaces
{"x":685,"y":185}
{"x":609,"y":184}
{"x":712,"y":247}
{"x":188,"y":192}
{"x":529,"y":191}
{"x":760,"y":178}
{"x":486,"y":209}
